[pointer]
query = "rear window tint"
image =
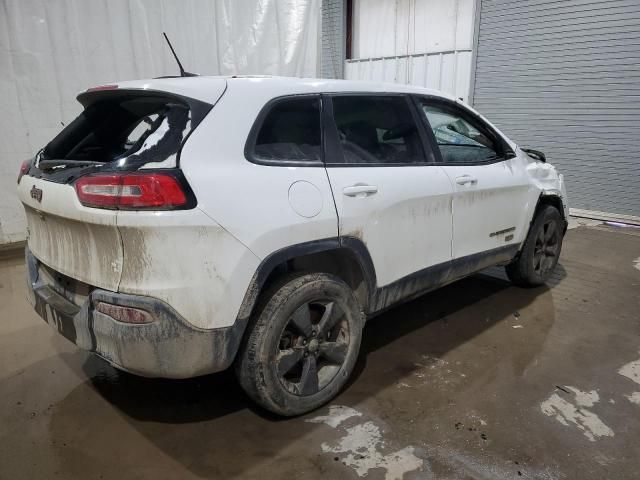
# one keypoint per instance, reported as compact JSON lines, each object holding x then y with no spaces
{"x":128,"y":129}
{"x":377,"y":129}
{"x":290,"y":131}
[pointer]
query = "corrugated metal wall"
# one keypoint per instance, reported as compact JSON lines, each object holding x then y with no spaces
{"x":564,"y":77}
{"x":446,"y":71}
{"x":420,"y":42}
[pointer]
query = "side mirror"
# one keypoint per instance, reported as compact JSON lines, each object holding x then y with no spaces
{"x":536,"y":154}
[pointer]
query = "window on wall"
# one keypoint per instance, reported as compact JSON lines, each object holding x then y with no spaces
{"x":377,"y":130}
{"x":349,"y":31}
{"x":459,"y":140}
{"x":291,"y":131}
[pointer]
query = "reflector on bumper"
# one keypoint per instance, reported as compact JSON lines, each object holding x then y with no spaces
{"x":124,"y":314}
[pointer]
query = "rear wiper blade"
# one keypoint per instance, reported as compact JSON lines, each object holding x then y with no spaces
{"x":51,"y":164}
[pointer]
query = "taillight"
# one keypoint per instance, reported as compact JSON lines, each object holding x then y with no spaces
{"x":131,"y":191}
{"x":24,"y":169}
{"x":124,"y":314}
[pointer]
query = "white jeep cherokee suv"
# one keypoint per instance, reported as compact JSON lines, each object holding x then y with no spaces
{"x":181,"y":225}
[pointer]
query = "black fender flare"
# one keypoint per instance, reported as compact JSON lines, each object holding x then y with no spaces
{"x":353,"y":245}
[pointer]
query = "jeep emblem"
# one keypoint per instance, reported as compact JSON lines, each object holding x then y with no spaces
{"x":36,"y":193}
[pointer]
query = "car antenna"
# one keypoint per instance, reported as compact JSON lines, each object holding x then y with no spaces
{"x":183,"y":73}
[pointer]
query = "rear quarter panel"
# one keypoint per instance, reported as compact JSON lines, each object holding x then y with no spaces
{"x":187,"y":260}
{"x":254,"y":202}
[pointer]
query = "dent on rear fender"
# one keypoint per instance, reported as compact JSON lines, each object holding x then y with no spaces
{"x":200,"y":270}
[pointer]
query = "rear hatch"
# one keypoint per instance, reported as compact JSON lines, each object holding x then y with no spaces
{"x":120,"y":133}
{"x":63,"y":235}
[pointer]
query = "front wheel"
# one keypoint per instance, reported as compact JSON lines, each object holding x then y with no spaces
{"x":303,"y":344}
{"x":541,"y":250}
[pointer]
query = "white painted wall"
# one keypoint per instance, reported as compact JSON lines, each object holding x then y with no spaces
{"x":51,"y":50}
{"x":420,"y":42}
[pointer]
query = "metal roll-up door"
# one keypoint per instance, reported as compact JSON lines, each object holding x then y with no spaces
{"x":564,"y":77}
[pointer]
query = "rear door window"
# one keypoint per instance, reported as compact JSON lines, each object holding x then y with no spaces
{"x":289,"y":132}
{"x":377,"y":129}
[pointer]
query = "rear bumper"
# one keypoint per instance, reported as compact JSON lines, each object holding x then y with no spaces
{"x":169,"y":347}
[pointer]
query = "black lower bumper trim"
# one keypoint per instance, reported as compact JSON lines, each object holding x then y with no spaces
{"x":169,"y":347}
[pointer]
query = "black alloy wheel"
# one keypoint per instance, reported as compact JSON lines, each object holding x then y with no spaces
{"x":547,"y":248}
{"x":313,"y":346}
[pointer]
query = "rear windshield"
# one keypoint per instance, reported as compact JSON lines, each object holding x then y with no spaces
{"x":125,"y":130}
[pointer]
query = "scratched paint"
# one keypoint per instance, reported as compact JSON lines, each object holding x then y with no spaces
{"x":636,"y":263}
{"x":362,"y":446}
{"x":576,"y":413}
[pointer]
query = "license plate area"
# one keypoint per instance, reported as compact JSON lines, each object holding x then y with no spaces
{"x":57,"y":311}
{"x":69,"y":288}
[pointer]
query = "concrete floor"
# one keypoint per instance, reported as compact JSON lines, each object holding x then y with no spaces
{"x":478,"y":380}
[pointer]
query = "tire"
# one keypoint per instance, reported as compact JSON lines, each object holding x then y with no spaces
{"x":541,"y":251}
{"x":303,"y":344}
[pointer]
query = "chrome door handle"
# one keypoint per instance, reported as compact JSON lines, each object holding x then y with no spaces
{"x":360,"y":190}
{"x":466,"y":180}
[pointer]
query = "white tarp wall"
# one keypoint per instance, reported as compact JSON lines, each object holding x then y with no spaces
{"x":421,"y":42}
{"x":51,"y":50}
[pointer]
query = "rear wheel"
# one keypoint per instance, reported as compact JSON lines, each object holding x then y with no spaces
{"x":541,"y":250}
{"x":303,"y":344}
